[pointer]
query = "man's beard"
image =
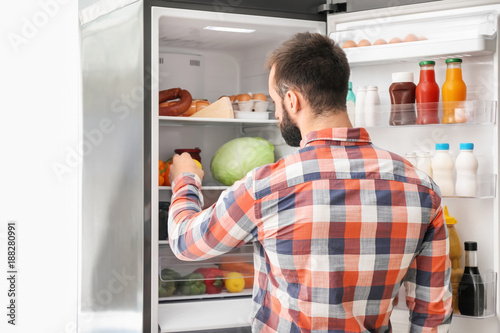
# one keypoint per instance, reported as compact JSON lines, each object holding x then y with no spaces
{"x":289,"y":130}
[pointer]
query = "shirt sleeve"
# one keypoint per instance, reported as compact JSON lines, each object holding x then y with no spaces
{"x":197,"y":234}
{"x":428,"y":285}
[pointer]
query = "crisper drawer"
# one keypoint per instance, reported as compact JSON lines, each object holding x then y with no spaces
{"x":228,"y":275}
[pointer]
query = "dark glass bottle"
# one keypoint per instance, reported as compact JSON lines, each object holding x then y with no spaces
{"x":471,"y":288}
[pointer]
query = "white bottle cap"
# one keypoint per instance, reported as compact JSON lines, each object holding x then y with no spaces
{"x":402,"y":77}
{"x":372,"y":88}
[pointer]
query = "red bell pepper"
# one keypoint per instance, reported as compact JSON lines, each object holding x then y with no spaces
{"x":213,"y":278}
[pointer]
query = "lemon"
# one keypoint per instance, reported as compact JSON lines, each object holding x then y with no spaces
{"x":198,"y":164}
{"x":234,"y":282}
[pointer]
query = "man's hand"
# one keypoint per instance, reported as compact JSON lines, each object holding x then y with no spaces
{"x":183,"y":163}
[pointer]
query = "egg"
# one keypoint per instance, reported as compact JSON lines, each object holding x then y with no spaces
{"x":395,"y":40}
{"x":422,"y":38}
{"x":364,"y":42}
{"x":411,"y":38}
{"x":380,"y":41}
{"x":349,"y":43}
{"x":260,"y":97}
{"x":243,"y":97}
{"x":232,"y":98}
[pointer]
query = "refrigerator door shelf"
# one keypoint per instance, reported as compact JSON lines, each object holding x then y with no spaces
{"x":418,"y":50}
{"x":467,"y":113}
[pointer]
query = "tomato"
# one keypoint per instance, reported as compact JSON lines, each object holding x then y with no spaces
{"x":234,"y":282}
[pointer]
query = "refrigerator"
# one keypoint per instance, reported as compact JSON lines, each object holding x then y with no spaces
{"x":131,"y":50}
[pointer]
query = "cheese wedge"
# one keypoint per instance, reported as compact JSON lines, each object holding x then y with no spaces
{"x":222,"y":108}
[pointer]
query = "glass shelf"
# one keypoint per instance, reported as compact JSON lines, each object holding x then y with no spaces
{"x":188,"y":121}
{"x":203,"y":188}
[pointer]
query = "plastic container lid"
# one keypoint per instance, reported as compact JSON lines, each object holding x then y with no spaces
{"x":402,"y":77}
{"x":453,"y":60}
{"x":427,"y":62}
{"x":442,"y":146}
{"x":449,"y":219}
{"x":467,"y":146}
{"x":470,"y":246}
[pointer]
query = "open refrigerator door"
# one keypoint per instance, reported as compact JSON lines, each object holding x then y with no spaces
{"x":395,"y":39}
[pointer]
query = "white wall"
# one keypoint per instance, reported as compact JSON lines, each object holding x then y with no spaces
{"x":39,"y":122}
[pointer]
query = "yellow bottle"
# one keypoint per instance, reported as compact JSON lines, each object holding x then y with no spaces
{"x":455,"y":257}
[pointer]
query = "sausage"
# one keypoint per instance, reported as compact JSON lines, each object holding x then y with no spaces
{"x":177,"y":108}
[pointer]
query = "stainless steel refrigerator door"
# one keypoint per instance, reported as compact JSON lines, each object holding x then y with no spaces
{"x":114,"y":277}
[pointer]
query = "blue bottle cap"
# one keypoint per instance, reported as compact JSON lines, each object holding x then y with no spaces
{"x":467,"y":146}
{"x":350,"y":85}
{"x":442,"y":146}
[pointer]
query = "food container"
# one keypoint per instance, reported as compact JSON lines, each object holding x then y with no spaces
{"x":260,"y":106}
{"x":194,"y":152}
{"x":245,"y":106}
{"x":250,"y":115}
{"x":253,"y":105}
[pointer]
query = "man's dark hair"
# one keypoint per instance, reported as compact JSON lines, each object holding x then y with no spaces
{"x":315,"y":66}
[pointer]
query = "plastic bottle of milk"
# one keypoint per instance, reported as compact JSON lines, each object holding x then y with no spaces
{"x":360,"y":106}
{"x":466,"y":166}
{"x":442,"y":169}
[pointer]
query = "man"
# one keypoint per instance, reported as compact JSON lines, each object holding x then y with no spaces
{"x":337,"y":227}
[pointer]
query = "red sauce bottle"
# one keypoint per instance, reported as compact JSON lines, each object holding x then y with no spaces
{"x":402,"y":93}
{"x":427,"y":94}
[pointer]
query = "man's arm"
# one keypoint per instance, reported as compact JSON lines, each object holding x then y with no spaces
{"x":196,"y":234}
{"x":428,"y":286}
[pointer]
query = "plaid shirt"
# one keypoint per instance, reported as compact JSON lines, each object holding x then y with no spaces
{"x":337,"y":228}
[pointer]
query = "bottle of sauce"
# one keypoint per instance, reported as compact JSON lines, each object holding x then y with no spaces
{"x":454,"y":92}
{"x":402,"y":93}
{"x":442,"y":169}
{"x":455,"y":257}
{"x":372,"y":106}
{"x":471,"y":287}
{"x":427,"y":94}
{"x":360,"y":106}
{"x":351,"y":104}
{"x":466,"y":166}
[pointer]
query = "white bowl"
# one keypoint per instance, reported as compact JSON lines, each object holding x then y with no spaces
{"x":250,"y":115}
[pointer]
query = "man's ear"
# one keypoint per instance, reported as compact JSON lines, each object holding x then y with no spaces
{"x":293,"y":101}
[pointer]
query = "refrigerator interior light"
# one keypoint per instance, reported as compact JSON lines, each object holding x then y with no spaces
{"x":229,"y":29}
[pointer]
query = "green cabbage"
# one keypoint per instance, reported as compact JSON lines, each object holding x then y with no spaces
{"x":234,"y":159}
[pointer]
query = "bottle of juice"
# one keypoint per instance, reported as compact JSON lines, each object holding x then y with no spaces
{"x":454,"y":91}
{"x":455,"y":257}
{"x":427,"y":94}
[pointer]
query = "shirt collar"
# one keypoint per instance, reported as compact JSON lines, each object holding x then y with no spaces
{"x":342,"y":135}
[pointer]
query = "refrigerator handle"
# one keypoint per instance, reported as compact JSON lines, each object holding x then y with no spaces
{"x":333,"y":6}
